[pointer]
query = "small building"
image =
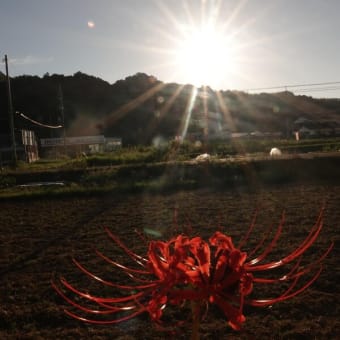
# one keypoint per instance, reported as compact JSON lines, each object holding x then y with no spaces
{"x":25,"y":144}
{"x":240,"y":135}
{"x":30,"y":145}
{"x":257,"y":134}
{"x":112,"y":144}
{"x":208,"y":126}
{"x":73,"y":146}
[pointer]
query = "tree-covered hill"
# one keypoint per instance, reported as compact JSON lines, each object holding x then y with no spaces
{"x":140,"y":108}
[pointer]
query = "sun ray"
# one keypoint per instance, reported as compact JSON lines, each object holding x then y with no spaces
{"x":152,"y":126}
{"x":228,"y":22}
{"x":225,"y":111}
{"x":187,"y":114}
{"x":117,"y":114}
{"x":171,"y":100}
{"x":205,"y":112}
{"x":205,"y":45}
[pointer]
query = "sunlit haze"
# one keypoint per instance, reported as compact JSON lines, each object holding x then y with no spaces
{"x":242,"y":45}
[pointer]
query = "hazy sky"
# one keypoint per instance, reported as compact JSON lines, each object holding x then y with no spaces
{"x":226,"y":44}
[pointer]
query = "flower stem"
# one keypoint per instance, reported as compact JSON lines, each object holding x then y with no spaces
{"x":196,"y":319}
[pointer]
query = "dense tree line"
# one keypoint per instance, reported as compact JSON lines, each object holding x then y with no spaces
{"x":140,"y":107}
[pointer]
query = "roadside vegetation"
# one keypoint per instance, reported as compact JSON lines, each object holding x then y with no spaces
{"x":173,"y":166}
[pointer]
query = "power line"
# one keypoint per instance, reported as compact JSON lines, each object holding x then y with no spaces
{"x":38,"y":123}
{"x":294,"y":86}
{"x":319,"y":89}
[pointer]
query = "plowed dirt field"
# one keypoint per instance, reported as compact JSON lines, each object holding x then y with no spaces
{"x":39,"y":238}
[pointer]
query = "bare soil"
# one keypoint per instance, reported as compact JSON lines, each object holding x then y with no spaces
{"x":39,"y":238}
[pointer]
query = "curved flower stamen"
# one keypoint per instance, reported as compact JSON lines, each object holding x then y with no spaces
{"x":306,"y":243}
{"x":109,"y":283}
{"x":271,"y":244}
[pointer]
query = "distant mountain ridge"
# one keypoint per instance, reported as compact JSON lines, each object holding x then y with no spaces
{"x":140,"y":108}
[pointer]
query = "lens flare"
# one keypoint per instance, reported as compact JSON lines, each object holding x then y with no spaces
{"x":91,"y":24}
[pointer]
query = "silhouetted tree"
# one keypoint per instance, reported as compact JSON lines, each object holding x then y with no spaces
{"x":140,"y":107}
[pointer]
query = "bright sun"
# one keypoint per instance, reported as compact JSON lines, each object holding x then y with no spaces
{"x":205,"y":56}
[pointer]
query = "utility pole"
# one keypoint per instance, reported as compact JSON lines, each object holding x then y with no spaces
{"x":10,"y":113}
{"x":62,"y":113}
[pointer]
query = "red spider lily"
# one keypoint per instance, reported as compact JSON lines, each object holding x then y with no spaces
{"x":191,"y":269}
